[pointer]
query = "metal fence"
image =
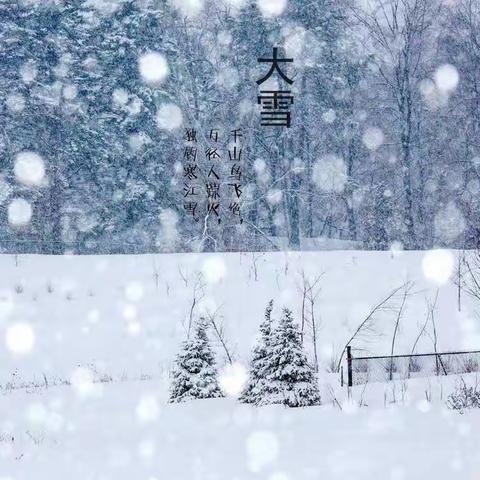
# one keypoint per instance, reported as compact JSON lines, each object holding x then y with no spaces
{"x":400,"y":367}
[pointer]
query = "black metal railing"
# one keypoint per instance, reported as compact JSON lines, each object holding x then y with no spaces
{"x":400,"y":367}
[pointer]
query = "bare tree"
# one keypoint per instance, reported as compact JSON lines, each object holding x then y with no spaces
{"x":431,"y":308}
{"x":366,"y":326}
{"x":406,"y":292}
{"x":420,"y":334}
{"x":219,"y":330}
{"x":433,"y":335}
{"x":397,"y":33}
{"x":304,"y":300}
{"x":461,"y":41}
{"x":310,"y":290}
{"x":197,"y":296}
{"x":458,"y":278}
{"x":183,"y":275}
{"x":312,"y":297}
{"x":469,"y":276}
{"x":255,"y":258}
{"x":156,"y":275}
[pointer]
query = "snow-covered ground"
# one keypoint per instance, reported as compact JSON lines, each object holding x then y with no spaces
{"x":120,"y":319}
{"x":127,"y":430}
{"x":126,"y":315}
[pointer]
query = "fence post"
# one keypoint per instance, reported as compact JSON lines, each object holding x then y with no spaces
{"x":349,"y":366}
{"x":441,"y":363}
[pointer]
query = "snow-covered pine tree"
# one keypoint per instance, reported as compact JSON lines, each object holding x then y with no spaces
{"x":292,"y":379}
{"x":257,"y":386}
{"x":195,"y":372}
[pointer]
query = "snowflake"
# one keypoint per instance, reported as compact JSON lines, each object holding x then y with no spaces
{"x":271,"y":8}
{"x":169,"y":117}
{"x":29,"y":168}
{"x":20,"y":338}
{"x":19,"y":212}
{"x":153,"y":68}
{"x":446,"y":78}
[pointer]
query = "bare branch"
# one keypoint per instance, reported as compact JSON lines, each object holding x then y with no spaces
{"x":219,"y":330}
{"x":366,"y":323}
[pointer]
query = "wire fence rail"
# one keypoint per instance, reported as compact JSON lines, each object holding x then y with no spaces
{"x":362,"y":370}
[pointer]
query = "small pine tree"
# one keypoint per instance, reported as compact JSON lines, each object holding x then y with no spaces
{"x":195,"y":373}
{"x":257,"y":386}
{"x":292,"y":380}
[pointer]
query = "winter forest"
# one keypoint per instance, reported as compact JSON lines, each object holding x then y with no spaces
{"x":382,"y":149}
{"x":239,"y":239}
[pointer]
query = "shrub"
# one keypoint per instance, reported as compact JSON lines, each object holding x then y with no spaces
{"x":195,"y":372}
{"x":360,"y":366}
{"x":464,"y":397}
{"x":414,"y":365}
{"x":469,"y":365}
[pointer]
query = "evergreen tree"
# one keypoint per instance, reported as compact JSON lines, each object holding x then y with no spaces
{"x":257,"y":386}
{"x":195,"y":373}
{"x":292,"y":380}
{"x":71,"y":91}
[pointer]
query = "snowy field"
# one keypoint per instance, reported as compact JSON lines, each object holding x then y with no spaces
{"x":126,"y":315}
{"x":127,"y":430}
{"x":118,"y":321}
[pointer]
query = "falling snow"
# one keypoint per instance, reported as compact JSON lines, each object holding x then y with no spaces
{"x":446,"y":78}
{"x":438,"y":266}
{"x":329,"y":174}
{"x":20,"y":338}
{"x":271,"y":8}
{"x":169,"y":117}
{"x":232,"y":379}
{"x":373,"y":193}
{"x":153,"y":68}
{"x":29,"y":168}
{"x":19,"y":212}
{"x":15,"y":102}
{"x":449,"y":223}
{"x":373,"y":138}
{"x":214,"y":269}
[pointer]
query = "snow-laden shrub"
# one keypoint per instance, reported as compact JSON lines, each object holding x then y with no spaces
{"x":469,"y":365}
{"x":258,"y":386}
{"x":464,"y":397}
{"x":195,"y":372}
{"x":293,"y":378}
{"x":360,"y":366}
{"x":414,"y":366}
{"x":391,"y":366}
{"x":279,"y":371}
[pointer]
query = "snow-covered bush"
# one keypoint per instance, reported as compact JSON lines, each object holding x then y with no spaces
{"x":391,"y":367}
{"x":414,"y":366}
{"x":280,"y":373}
{"x":258,"y":386}
{"x":360,"y":366}
{"x":293,"y":378}
{"x":195,"y":372}
{"x":464,"y":397}
{"x":469,"y":365}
